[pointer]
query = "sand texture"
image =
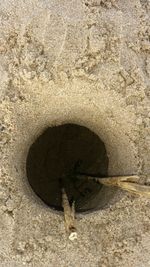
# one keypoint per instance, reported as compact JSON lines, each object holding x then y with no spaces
{"x":85,"y":62}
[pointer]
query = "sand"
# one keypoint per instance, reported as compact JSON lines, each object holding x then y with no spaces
{"x":85,"y":62}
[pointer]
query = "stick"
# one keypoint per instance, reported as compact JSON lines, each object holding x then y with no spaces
{"x":128,"y":183}
{"x":69,"y":215}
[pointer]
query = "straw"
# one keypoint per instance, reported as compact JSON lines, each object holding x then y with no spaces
{"x":69,"y":216}
{"x":127,"y":183}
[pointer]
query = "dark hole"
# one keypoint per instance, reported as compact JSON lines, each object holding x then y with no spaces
{"x":58,"y":156}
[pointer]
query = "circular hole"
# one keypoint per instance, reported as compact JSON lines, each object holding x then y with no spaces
{"x":58,"y":156}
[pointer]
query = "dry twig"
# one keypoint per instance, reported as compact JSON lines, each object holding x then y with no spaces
{"x":128,"y":183}
{"x":69,"y":215}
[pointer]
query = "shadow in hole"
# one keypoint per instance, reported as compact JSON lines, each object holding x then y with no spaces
{"x":62,"y":152}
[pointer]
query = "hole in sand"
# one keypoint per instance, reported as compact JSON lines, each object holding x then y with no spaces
{"x":61,"y":153}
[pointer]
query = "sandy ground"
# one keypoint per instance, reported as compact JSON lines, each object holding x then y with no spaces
{"x":84,"y":62}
